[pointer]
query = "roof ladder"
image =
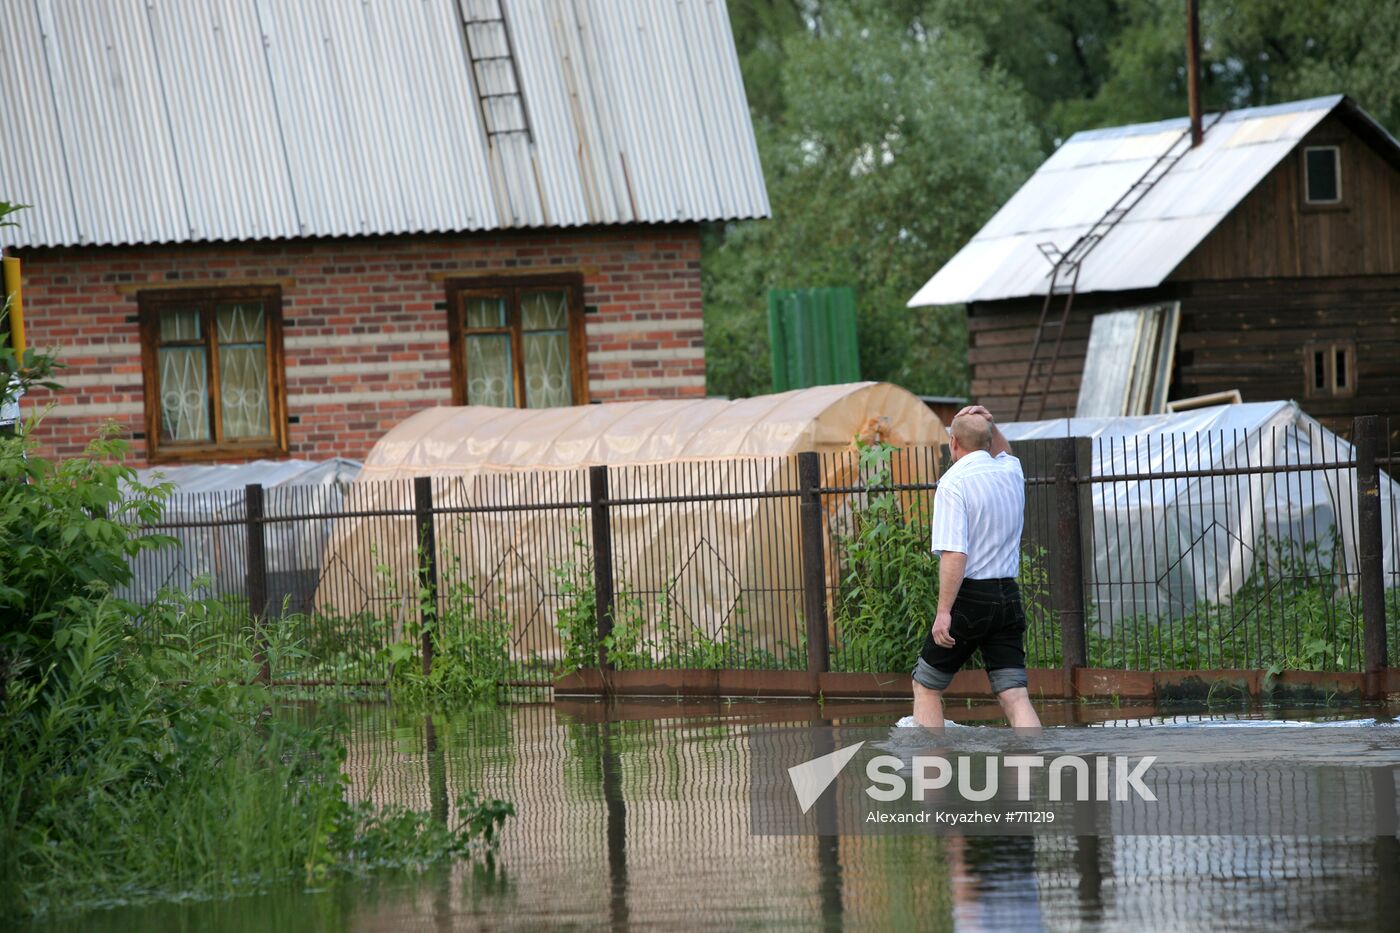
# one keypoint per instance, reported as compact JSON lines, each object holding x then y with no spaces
{"x":1065,"y":266}
{"x":495,"y":72}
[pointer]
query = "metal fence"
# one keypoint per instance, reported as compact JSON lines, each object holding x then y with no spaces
{"x":1245,"y":550}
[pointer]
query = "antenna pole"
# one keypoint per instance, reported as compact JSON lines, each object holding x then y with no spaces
{"x":1193,"y":70}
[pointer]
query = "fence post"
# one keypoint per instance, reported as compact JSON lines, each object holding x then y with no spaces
{"x":1365,"y":432}
{"x":256,"y":575}
{"x":602,"y":558}
{"x":1068,"y":589}
{"x":809,"y":480}
{"x":427,"y":566}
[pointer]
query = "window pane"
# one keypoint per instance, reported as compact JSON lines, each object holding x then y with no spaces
{"x":1322,"y":175}
{"x":1319,"y":370}
{"x":544,"y":310}
{"x":1341,"y":368}
{"x":547,"y":382}
{"x":184,"y":394}
{"x":485,"y":312}
{"x":243,"y":397}
{"x":490,"y":378}
{"x":177,"y":326}
{"x":241,"y":323}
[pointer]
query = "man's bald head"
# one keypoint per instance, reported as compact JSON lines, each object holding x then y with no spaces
{"x":972,"y":432}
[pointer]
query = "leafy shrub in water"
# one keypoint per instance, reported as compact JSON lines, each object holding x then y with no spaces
{"x":134,"y":767}
{"x":577,"y":618}
{"x":115,"y":786}
{"x":470,"y":641}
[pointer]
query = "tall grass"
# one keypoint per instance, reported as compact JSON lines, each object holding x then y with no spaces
{"x":116,"y":785}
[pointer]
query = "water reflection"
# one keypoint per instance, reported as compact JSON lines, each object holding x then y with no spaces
{"x":636,"y":817}
{"x":995,"y":886}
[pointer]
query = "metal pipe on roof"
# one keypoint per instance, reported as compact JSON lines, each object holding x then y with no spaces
{"x":1193,"y":70}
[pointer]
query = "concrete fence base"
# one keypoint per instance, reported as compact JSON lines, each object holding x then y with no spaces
{"x":1045,"y":684}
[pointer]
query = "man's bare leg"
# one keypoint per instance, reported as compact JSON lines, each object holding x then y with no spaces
{"x":928,"y":706}
{"x":1016,"y":703}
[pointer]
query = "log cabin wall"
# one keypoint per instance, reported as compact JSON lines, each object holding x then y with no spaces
{"x":1273,"y":234}
{"x":1256,"y":336}
{"x":1277,"y":282}
{"x":1000,"y":336}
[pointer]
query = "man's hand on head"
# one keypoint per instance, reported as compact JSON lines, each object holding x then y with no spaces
{"x":941,"y":634}
{"x":975,"y":410}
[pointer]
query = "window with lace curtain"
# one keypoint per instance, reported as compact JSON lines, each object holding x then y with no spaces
{"x":212,"y":362}
{"x":517,"y":343}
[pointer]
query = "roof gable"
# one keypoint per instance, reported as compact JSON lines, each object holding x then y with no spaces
{"x":146,"y":121}
{"x":1093,"y":169}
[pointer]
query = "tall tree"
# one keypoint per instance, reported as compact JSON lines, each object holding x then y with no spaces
{"x":894,"y":144}
{"x":890,"y":130}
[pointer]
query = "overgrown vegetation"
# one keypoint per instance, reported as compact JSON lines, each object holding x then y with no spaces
{"x":1288,"y":615}
{"x":470,"y":643}
{"x":889,"y":576}
{"x":135,"y":767}
{"x":646,"y":634}
{"x":889,"y":131}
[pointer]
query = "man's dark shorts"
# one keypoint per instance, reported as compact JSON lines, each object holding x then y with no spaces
{"x":987,"y":616}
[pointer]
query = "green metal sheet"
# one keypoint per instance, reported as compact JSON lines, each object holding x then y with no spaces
{"x":812,"y":333}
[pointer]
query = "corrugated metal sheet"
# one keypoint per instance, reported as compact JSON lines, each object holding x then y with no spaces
{"x":812,"y":337}
{"x":147,"y":121}
{"x":1083,"y":179}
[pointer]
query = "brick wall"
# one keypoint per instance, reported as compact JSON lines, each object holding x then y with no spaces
{"x":365,"y":330}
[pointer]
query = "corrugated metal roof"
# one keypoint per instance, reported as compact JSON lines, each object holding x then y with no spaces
{"x":151,"y":121}
{"x":1092,"y":170}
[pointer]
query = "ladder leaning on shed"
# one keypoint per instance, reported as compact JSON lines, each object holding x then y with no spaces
{"x":1064,"y":272}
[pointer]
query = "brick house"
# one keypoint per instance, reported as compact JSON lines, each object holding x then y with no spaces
{"x":243,"y":243}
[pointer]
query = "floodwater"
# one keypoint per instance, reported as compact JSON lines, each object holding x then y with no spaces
{"x":635,"y":815}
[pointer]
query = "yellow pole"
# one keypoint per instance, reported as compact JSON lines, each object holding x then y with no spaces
{"x":16,"y":311}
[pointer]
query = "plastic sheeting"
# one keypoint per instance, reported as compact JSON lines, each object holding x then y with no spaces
{"x":679,"y":448}
{"x":211,"y":558}
{"x":1163,"y":545}
{"x":232,"y":477}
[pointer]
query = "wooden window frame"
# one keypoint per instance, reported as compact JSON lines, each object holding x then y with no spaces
{"x":1330,"y":350}
{"x":1340,"y":201}
{"x":152,"y":304}
{"x":510,"y":287}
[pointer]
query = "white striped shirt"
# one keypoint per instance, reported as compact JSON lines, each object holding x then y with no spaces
{"x":979,"y":510}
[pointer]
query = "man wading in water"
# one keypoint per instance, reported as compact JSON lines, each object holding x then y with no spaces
{"x":978,"y":513}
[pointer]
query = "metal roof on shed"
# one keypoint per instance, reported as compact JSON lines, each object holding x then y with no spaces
{"x":1093,"y":169}
{"x":155,"y":121}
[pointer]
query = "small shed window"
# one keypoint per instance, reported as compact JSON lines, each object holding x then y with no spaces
{"x":1330,"y":369}
{"x":518,"y":343}
{"x":1322,"y":175}
{"x":212,"y":362}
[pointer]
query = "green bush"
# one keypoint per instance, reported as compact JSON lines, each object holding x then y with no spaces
{"x":888,"y":577}
{"x":65,"y":533}
{"x":577,"y":618}
{"x":470,"y":642}
{"x":115,"y":785}
{"x":134,"y":766}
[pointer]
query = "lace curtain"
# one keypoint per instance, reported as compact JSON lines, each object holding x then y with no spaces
{"x":544,"y":348}
{"x":186,"y":398}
